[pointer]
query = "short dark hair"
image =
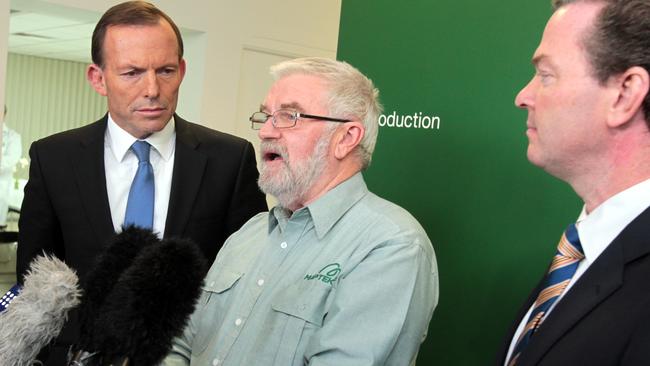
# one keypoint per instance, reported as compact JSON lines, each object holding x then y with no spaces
{"x":620,"y":39}
{"x":129,"y":13}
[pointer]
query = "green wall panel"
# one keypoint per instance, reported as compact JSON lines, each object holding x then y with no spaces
{"x":494,"y":219}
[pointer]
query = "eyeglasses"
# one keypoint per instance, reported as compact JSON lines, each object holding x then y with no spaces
{"x":286,"y":118}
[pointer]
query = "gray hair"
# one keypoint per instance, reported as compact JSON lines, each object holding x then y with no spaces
{"x":350,"y":95}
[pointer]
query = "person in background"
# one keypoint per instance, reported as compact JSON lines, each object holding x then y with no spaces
{"x":333,"y":275}
{"x":588,"y":118}
{"x":11,"y":152}
{"x":141,"y":164}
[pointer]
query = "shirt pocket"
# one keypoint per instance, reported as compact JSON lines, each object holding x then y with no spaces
{"x":221,"y":282}
{"x":305,"y":305}
{"x":216,"y":291}
{"x":303,"y":300}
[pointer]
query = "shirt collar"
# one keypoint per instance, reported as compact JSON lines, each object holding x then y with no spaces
{"x":600,"y":227}
{"x":328,"y":209}
{"x":120,"y":141}
{"x":278,"y":216}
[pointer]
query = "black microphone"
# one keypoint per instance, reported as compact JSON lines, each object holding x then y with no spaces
{"x":118,"y":255}
{"x":36,"y":315}
{"x":147,"y":307}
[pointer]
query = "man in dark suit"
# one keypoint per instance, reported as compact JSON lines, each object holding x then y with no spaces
{"x":588,"y":120}
{"x":80,"y":185}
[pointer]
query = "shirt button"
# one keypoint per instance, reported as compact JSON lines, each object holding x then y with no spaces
{"x":238,"y":322}
{"x":260,"y":282}
{"x":283,"y":245}
{"x":215,"y":362}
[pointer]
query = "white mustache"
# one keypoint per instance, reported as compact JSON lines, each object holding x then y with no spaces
{"x":270,"y":146}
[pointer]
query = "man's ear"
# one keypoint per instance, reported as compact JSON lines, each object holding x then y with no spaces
{"x":181,"y":68}
{"x":631,"y":88}
{"x":95,"y":76}
{"x":347,"y":138}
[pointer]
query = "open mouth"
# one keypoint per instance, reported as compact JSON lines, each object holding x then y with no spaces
{"x":271,"y":156}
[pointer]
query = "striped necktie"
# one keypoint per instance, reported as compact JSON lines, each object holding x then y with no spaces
{"x":139,"y":207}
{"x":564,"y":265}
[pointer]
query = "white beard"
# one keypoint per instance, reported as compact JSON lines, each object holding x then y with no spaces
{"x":292,"y":182}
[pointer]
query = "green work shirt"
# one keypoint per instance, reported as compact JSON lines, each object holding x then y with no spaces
{"x":350,"y":279}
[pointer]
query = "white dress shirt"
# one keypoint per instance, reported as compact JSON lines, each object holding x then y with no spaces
{"x":596,"y":231}
{"x":121,"y":164}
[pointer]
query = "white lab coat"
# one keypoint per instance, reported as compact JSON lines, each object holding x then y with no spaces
{"x":11,"y":153}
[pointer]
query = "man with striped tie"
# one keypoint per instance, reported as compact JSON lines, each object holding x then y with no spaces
{"x":588,"y":124}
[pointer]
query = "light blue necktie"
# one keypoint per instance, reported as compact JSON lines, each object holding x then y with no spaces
{"x":139,"y":207}
{"x":565,"y":263}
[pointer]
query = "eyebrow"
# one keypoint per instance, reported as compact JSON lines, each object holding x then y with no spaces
{"x":135,"y":66}
{"x":537,"y":59}
{"x":543,"y":58}
{"x":292,"y":105}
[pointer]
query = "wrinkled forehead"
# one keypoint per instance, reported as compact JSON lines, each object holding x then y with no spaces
{"x":305,"y":93}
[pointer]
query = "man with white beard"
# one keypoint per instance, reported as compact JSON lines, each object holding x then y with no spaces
{"x":332,"y":275}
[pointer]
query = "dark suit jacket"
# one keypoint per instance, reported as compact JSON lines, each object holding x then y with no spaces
{"x":66,"y":211}
{"x":604,"y":319}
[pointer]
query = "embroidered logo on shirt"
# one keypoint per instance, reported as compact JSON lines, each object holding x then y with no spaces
{"x":326,"y":275}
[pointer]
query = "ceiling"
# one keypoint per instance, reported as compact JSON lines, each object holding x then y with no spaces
{"x":50,"y":35}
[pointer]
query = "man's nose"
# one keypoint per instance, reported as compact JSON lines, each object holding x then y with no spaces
{"x":268,"y":130}
{"x":152,"y":87}
{"x":524,"y":98}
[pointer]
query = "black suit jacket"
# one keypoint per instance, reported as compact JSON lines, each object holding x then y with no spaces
{"x":604,"y":319}
{"x":66,"y":211}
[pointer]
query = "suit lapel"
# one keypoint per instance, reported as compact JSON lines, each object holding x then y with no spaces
{"x":189,"y":166}
{"x":505,"y":346}
{"x":599,"y":282}
{"x":602,"y":278}
{"x":91,"y":180}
